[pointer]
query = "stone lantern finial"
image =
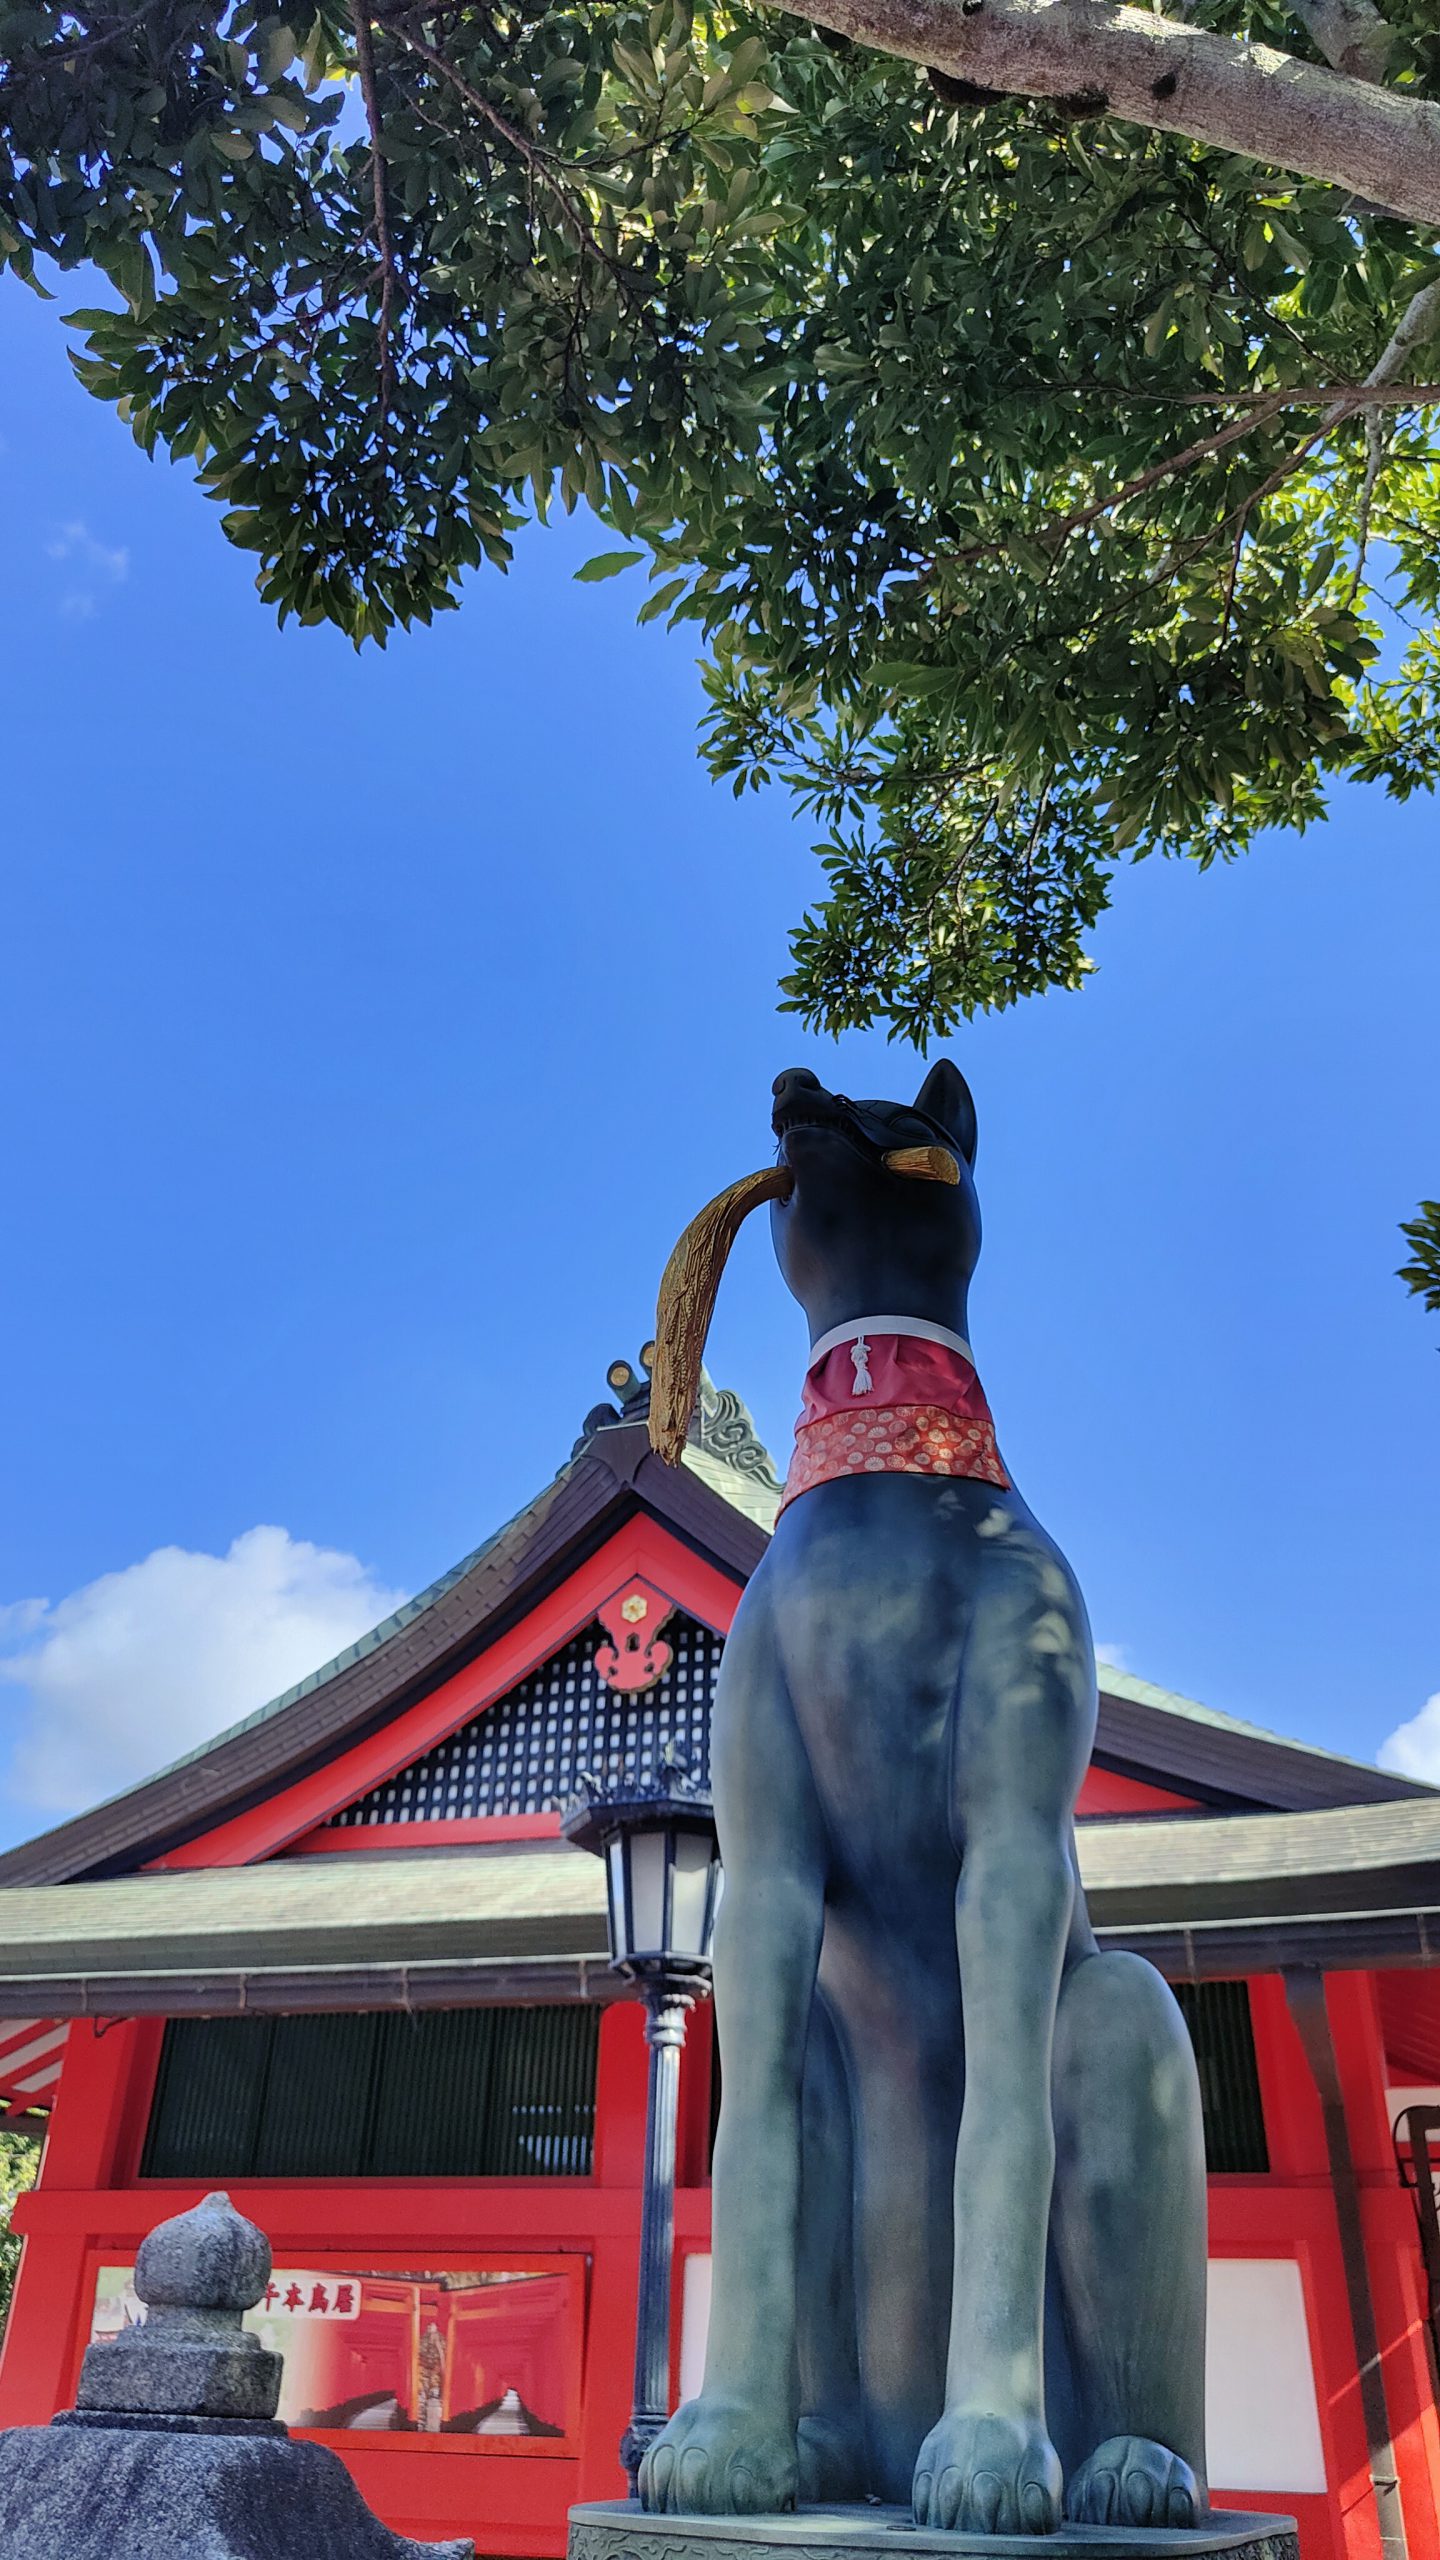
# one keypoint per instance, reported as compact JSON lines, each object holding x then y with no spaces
{"x":197,"y":2276}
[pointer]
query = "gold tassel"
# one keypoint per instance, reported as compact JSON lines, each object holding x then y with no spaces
{"x":923,"y":1164}
{"x":689,"y":1287}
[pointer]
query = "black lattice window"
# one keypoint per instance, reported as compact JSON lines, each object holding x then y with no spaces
{"x":1218,"y":2017}
{"x":450,"y":2093}
{"x":525,"y":1754}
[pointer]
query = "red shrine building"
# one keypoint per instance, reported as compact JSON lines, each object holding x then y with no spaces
{"x":342,"y":1963}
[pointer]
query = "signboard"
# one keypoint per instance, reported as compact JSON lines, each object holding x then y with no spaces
{"x":488,"y":2354}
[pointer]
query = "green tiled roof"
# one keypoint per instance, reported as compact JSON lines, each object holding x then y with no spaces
{"x":1260,"y":1848}
{"x":1143,"y":1693}
{"x":62,"y":1946}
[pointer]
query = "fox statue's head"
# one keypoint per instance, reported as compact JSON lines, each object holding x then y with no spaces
{"x":874,"y":1213}
{"x":880,"y":1215}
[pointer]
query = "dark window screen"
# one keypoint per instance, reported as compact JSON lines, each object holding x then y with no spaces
{"x":451,"y":2093}
{"x":1218,"y":2017}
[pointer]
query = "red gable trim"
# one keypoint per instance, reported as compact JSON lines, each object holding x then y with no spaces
{"x":460,"y":1831}
{"x":283,"y":1820}
{"x":1106,"y":1791}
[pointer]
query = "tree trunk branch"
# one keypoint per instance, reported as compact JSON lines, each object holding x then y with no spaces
{"x":1352,"y":35}
{"x":1382,"y":145}
{"x":1418,"y":325}
{"x":385,"y":247}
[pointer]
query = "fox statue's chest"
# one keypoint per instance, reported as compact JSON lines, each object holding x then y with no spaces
{"x":868,"y":1595}
{"x":876,"y":1602}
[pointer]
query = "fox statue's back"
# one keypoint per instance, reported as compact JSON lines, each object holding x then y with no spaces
{"x":959,"y":2185}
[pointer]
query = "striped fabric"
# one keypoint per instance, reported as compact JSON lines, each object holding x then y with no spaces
{"x":31,"y":2053}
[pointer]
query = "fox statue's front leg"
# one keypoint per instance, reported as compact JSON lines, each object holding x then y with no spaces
{"x":733,"y":2451}
{"x":1023,"y":1723}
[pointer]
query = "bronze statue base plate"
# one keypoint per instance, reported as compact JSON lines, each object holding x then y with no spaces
{"x":616,"y":2529}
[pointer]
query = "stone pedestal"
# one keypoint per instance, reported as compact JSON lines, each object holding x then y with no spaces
{"x":138,"y":2489}
{"x":618,"y":2530}
{"x":174,"y":2451}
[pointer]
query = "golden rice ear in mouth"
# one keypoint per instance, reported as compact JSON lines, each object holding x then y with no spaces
{"x":923,"y":1164}
{"x":689,"y":1287}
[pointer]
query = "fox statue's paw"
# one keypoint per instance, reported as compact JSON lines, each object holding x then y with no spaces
{"x":1129,"y":2480}
{"x":978,"y":2473}
{"x":720,"y":2457}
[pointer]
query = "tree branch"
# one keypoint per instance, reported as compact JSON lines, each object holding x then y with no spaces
{"x":1417,"y":325}
{"x":1421,"y":322}
{"x":536,"y":159}
{"x":1364,"y":396}
{"x":1380,"y":144}
{"x":1352,"y":35}
{"x":365,"y":65}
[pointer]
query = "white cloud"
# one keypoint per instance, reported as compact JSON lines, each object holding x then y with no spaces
{"x":1117,"y":1655}
{"x":89,"y":565}
{"x":20,"y":1618}
{"x":1414,"y":1748}
{"x":138,"y":1667}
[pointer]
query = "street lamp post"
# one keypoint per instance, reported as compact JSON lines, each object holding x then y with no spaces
{"x":662,"y":1875}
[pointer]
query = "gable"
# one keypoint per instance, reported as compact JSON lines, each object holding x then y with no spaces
{"x":522,"y":1758}
{"x":613,"y":1486}
{"x":640,"y":1555}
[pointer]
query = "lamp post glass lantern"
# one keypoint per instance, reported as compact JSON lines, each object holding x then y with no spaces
{"x":662,"y":1877}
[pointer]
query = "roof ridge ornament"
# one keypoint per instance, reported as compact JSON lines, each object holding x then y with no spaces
{"x":725,"y":1427}
{"x":721,"y":1424}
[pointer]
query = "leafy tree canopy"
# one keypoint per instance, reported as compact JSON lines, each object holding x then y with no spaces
{"x":1044,"y":487}
{"x":19,"y":2160}
{"x":1422,"y":1272}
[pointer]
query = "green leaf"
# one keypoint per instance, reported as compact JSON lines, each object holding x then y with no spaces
{"x":607,"y":564}
{"x":661,"y":601}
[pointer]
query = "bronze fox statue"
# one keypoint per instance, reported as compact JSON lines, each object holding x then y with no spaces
{"x":959,"y":2180}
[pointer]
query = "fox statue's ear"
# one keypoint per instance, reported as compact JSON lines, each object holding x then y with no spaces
{"x":945,"y":1096}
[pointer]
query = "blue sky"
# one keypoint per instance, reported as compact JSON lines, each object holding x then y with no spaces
{"x":372,"y":1025}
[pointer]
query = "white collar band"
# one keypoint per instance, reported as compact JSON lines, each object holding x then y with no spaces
{"x":918,"y":1328}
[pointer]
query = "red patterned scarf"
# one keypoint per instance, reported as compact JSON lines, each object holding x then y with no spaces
{"x":892,"y":1395}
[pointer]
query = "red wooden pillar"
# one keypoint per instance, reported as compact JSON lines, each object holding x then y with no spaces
{"x":1302,"y":2213}
{"x":620,"y":2085}
{"x":1392,"y":2253}
{"x":103,"y":2091}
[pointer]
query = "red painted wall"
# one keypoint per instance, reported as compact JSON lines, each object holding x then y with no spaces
{"x":90,"y":2208}
{"x":511,"y":2494}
